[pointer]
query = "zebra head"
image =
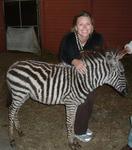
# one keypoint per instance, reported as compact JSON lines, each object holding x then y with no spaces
{"x":117,"y":77}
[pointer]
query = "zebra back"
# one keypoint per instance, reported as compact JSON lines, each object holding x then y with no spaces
{"x":39,"y":80}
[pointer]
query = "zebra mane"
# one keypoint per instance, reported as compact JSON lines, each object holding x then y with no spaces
{"x":110,"y":56}
{"x":92,"y":54}
{"x":86,"y":55}
{"x":106,"y":53}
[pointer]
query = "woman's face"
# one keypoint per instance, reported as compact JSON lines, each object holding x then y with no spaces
{"x":84,"y":26}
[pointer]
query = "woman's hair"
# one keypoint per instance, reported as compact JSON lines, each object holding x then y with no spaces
{"x":84,"y":14}
{"x":81,"y":14}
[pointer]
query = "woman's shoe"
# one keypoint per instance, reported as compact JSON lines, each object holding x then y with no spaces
{"x":89,"y":132}
{"x":84,"y":137}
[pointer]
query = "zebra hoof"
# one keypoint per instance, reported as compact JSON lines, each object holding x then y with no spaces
{"x":20,"y":133}
{"x":13,"y":144}
{"x":75,"y":146}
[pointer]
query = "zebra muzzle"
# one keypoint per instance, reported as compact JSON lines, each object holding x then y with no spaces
{"x":124,"y":92}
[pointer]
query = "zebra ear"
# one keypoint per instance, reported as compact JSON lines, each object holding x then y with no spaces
{"x":111,"y":59}
{"x":108,"y":56}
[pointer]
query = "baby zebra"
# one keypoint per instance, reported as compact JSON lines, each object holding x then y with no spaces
{"x":58,"y":84}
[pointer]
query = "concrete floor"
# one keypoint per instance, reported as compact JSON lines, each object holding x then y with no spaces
{"x":4,"y":139}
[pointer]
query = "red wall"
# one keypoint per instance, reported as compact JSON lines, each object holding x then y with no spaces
{"x":2,"y":28}
{"x":112,"y":18}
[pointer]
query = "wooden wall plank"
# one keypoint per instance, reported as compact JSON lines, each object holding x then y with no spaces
{"x":2,"y":29}
{"x":114,"y":20}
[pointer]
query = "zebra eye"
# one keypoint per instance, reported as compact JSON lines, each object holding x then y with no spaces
{"x":122,"y":73}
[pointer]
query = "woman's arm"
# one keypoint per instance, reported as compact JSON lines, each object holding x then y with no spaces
{"x":70,"y":54}
{"x":80,"y":65}
{"x":98,"y":42}
{"x":68,"y":49}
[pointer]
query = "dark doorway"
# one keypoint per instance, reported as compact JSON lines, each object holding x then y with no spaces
{"x":22,"y":14}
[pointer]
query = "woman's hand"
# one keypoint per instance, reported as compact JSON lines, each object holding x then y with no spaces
{"x":80,"y":65}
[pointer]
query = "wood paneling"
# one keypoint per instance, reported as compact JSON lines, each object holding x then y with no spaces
{"x":2,"y":29}
{"x":114,"y":20}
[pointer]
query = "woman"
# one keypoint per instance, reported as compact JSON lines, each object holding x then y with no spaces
{"x":82,"y":38}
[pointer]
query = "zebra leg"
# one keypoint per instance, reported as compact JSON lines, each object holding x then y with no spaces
{"x":71,"y":113}
{"x":11,"y":125}
{"x":17,"y":123}
{"x":13,"y":120}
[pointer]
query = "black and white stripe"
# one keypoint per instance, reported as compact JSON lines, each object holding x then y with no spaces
{"x":61,"y":84}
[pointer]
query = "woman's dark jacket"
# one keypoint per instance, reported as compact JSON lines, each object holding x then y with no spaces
{"x":69,"y":49}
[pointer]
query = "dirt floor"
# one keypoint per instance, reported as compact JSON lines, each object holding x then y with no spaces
{"x":44,"y":126}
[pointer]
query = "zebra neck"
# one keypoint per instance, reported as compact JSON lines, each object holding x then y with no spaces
{"x":83,"y":84}
{"x":97,"y":73}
